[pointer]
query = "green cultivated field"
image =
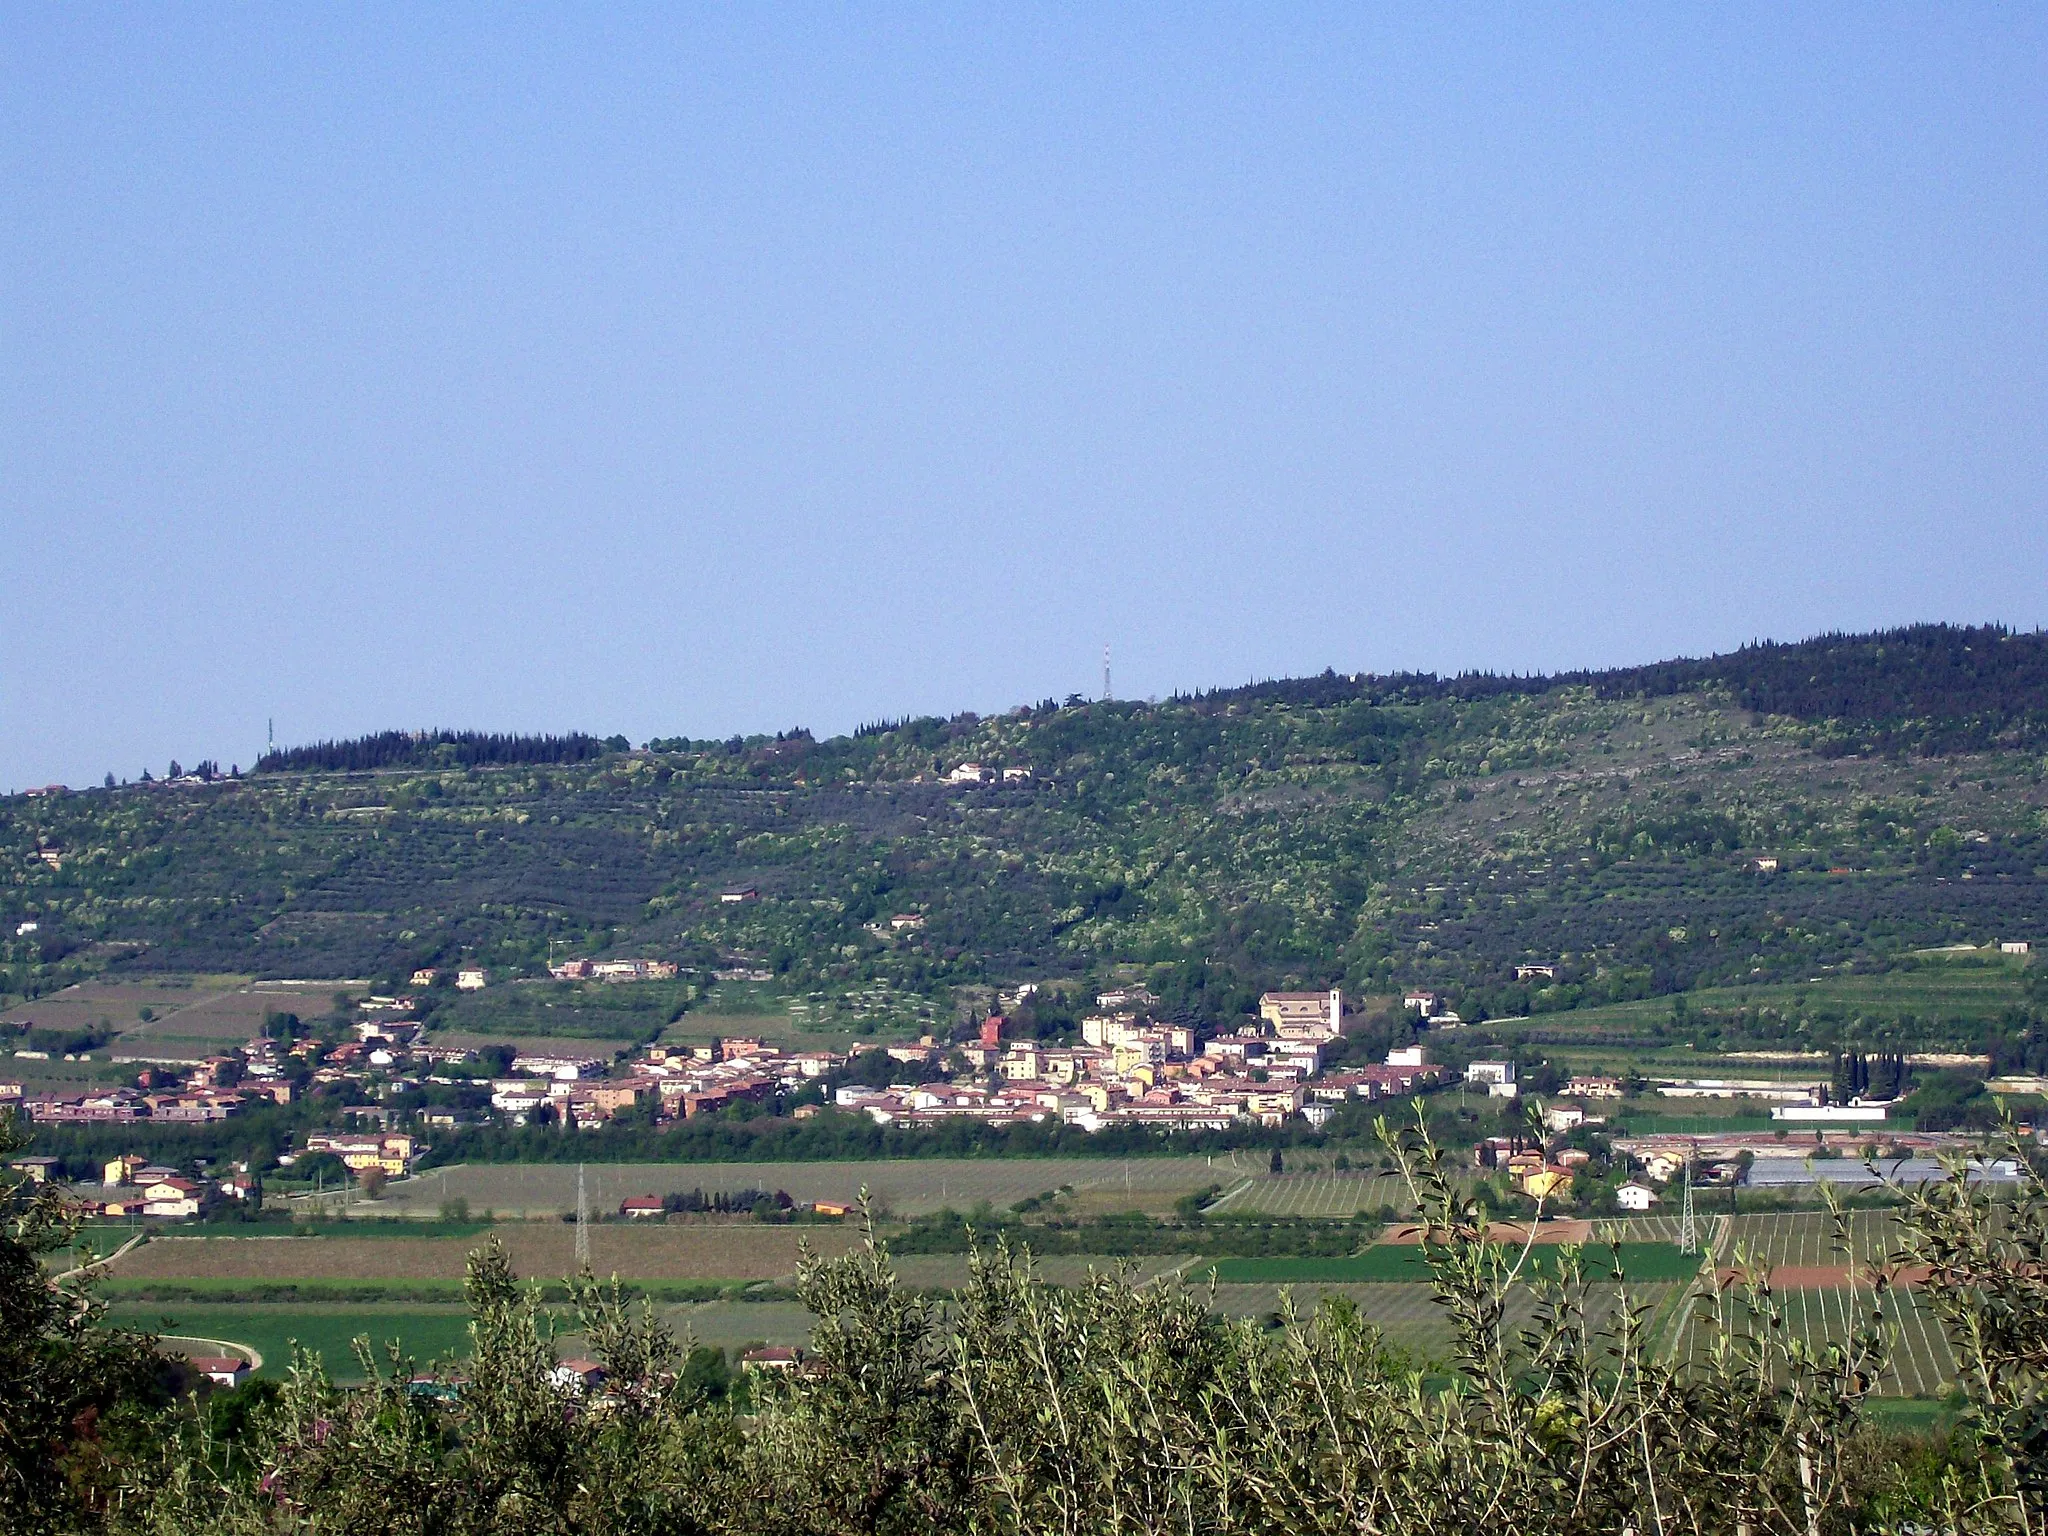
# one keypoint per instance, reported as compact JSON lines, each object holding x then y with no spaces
{"x":422,"y":1331}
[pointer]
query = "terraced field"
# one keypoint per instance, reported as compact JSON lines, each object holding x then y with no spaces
{"x":1313,"y":1194}
{"x":1807,"y":1239}
{"x":189,"y":1016}
{"x":1921,"y":1362}
{"x":1969,"y":986}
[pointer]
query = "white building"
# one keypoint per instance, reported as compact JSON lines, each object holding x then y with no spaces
{"x":1663,"y":1166}
{"x":221,"y":1370}
{"x":1855,"y":1112}
{"x":474,"y":979}
{"x":1635,"y":1197}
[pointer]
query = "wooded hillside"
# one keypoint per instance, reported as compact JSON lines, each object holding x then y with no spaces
{"x":1380,"y":831}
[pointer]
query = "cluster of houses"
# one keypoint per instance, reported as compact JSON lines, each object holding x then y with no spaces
{"x":169,"y":1091}
{"x":614,"y":970}
{"x":194,"y":1093}
{"x":474,"y":978}
{"x":1128,"y":1068}
{"x":132,"y":1186}
{"x":1131,"y":1069}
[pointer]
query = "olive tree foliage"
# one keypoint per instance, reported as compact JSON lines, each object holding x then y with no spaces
{"x":65,"y":1382}
{"x":1108,"y":1409}
{"x":1564,"y":1406}
{"x":1986,"y":1263}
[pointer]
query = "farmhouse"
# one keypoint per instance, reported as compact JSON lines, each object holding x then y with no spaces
{"x":172,"y":1197}
{"x":577,"y":1376}
{"x":1635,"y":1197}
{"x":221,"y":1370}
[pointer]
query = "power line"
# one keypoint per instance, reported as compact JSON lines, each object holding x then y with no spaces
{"x":582,"y":1223}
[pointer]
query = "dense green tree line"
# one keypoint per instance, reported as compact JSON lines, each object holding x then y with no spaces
{"x":432,"y":749}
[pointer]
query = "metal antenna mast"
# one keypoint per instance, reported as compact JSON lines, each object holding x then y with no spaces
{"x":1105,"y":675}
{"x":583,"y":1223}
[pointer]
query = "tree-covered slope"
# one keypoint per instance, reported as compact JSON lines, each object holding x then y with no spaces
{"x":1382,"y":831}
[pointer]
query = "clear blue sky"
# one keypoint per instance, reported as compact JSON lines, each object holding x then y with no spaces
{"x":727,"y":368}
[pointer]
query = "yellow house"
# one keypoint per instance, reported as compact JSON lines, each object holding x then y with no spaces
{"x":1542,"y":1183}
{"x":121,"y":1169}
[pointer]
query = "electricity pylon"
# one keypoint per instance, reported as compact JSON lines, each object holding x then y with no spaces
{"x":1688,"y":1232}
